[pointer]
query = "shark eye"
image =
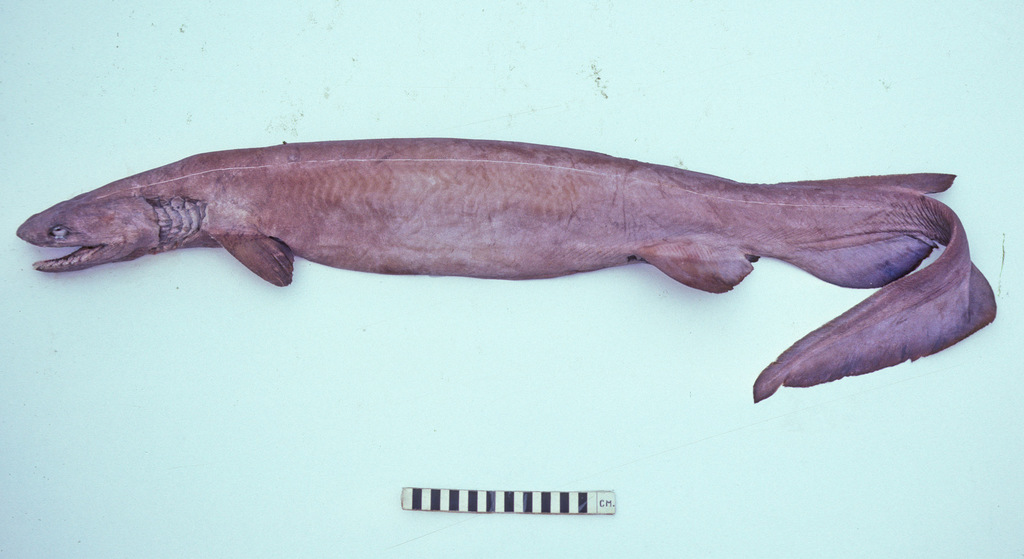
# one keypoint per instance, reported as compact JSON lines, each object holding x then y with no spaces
{"x":59,"y":232}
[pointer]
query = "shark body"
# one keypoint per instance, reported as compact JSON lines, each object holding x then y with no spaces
{"x":508,"y":210}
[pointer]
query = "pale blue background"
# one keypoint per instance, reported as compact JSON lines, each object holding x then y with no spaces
{"x":177,"y":406}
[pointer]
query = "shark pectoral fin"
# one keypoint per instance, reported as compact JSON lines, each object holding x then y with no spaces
{"x":699,"y":265}
{"x":269,"y":258}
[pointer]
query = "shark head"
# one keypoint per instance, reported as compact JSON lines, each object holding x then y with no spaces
{"x":106,"y":229}
{"x":101,"y":229}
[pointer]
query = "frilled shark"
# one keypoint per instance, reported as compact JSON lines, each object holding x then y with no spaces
{"x":491,"y":209}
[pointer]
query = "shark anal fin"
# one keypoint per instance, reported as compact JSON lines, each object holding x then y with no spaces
{"x":702,"y":266}
{"x":861,"y":261}
{"x":267,"y":257}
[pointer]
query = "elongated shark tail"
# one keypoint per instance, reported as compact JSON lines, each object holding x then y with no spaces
{"x":915,"y":315}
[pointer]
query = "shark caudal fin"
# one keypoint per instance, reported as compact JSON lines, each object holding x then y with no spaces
{"x":913,"y":316}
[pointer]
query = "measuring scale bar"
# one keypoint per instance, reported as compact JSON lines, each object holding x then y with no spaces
{"x":526,"y":502}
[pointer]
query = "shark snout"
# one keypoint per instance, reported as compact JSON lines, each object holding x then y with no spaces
{"x":31,"y":232}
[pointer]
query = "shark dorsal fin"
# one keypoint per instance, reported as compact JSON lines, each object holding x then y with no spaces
{"x":925,"y":183}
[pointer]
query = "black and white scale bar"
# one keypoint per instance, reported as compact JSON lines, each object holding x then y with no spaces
{"x":527,"y":502}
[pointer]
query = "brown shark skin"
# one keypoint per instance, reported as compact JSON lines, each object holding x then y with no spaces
{"x":508,"y":210}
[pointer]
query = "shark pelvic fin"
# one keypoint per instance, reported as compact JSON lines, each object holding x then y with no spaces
{"x":699,"y":265}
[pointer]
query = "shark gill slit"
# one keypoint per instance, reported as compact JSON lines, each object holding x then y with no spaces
{"x":178,"y":218}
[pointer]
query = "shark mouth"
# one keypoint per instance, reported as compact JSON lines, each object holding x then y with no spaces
{"x":84,"y":257}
